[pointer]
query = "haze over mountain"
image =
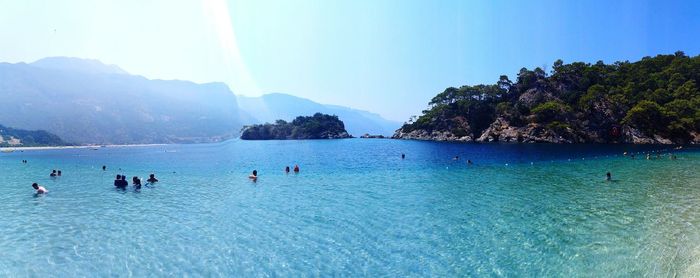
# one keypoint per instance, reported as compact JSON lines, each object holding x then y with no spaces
{"x":91,"y":66}
{"x":87,"y":102}
{"x":271,"y":107}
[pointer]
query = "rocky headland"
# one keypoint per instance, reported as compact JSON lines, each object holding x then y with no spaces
{"x":652,"y":101}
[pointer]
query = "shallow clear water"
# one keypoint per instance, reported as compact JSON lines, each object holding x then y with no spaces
{"x":356,"y":209}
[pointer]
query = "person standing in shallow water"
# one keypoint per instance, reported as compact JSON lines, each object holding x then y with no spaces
{"x":120,"y":182}
{"x":152,"y":178}
{"x":286,"y":169}
{"x":136,"y":182}
{"x":104,"y":168}
{"x":296,"y":168}
{"x":608,"y":176}
{"x":403,"y":156}
{"x":39,"y":189}
{"x":254,"y":175}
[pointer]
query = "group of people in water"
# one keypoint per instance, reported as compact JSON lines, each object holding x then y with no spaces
{"x":121,"y":183}
{"x":469,"y":161}
{"x":254,"y":175}
{"x":40,"y":189}
{"x":55,"y":173}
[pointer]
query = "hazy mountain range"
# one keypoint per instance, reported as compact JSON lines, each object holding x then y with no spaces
{"x":87,"y":102}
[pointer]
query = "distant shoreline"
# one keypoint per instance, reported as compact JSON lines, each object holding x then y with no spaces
{"x":11,"y":149}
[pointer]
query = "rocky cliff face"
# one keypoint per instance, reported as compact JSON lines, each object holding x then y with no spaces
{"x":502,"y":131}
{"x":421,"y":134}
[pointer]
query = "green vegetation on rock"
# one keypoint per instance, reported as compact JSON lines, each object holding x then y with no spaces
{"x":654,"y":100}
{"x":318,"y":126}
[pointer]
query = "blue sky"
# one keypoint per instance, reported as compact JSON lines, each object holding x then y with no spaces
{"x":386,"y":56}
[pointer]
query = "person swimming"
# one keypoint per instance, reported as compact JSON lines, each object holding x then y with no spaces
{"x":152,"y":178}
{"x":608,"y":176}
{"x":254,"y":176}
{"x":136,"y":182}
{"x":296,"y":168}
{"x":59,"y":173}
{"x":39,"y":189}
{"x":469,"y":162}
{"x":286,"y":169}
{"x":53,"y":174}
{"x":456,"y":157}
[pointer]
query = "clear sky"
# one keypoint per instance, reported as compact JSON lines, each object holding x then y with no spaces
{"x":385,"y":56}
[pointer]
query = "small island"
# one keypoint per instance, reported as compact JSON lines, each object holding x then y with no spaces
{"x":318,"y":126}
{"x":372,"y":136}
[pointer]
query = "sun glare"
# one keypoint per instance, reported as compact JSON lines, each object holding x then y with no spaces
{"x":217,"y":13}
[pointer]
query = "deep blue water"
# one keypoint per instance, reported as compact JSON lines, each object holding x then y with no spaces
{"x":355,"y":209}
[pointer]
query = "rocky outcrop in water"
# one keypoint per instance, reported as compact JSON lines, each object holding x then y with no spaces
{"x":318,"y":126}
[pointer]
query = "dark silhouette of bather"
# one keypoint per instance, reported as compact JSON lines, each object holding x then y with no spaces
{"x":120,"y":182}
{"x":136,"y":182}
{"x":152,"y":178}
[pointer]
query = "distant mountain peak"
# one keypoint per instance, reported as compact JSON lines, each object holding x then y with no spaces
{"x":77,"y":64}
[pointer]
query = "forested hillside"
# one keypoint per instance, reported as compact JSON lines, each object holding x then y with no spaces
{"x":654,"y":100}
{"x":11,"y":137}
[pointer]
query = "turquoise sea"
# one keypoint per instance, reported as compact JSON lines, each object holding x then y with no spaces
{"x":355,"y":209}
